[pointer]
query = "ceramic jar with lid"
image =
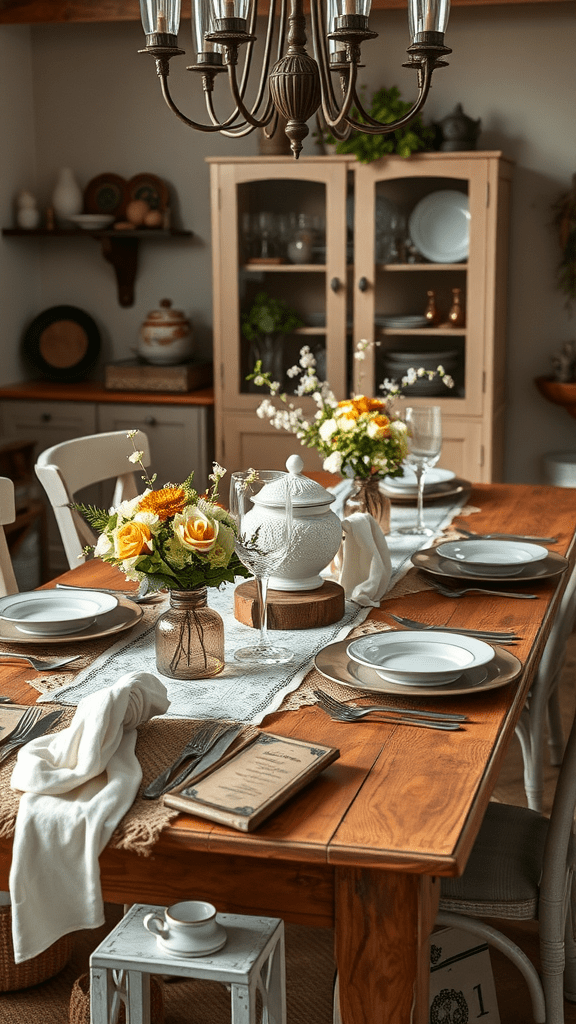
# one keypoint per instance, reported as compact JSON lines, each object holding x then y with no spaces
{"x":316,"y":531}
{"x":165,"y":337}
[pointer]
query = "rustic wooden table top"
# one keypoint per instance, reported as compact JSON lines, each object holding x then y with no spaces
{"x":363,"y":844}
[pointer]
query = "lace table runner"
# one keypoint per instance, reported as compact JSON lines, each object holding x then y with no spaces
{"x":244,"y":693}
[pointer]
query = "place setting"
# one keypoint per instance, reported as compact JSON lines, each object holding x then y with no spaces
{"x":43,"y":617}
{"x":427,"y":663}
{"x":491,"y":560}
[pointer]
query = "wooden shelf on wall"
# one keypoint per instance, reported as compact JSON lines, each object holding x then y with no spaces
{"x":30,"y":12}
{"x":120,"y":248}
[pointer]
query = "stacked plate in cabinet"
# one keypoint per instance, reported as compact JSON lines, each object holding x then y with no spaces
{"x":397,"y":363}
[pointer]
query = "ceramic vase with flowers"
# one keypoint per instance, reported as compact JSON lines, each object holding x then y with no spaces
{"x":183,"y":543}
{"x":359,"y":437}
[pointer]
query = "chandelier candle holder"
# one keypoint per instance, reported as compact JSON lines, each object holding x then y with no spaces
{"x":296,"y":85}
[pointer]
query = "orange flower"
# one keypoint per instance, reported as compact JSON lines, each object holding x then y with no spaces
{"x":383,"y":424}
{"x":164,"y":503}
{"x":348,"y":409}
{"x":133,"y":539}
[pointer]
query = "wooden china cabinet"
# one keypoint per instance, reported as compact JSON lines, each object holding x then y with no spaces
{"x":354,"y":281}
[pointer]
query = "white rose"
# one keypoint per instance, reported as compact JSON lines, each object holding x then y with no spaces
{"x":327,"y":428}
{"x":103,"y":547}
{"x":333,"y":463}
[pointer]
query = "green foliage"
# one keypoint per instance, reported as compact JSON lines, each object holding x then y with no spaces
{"x":97,"y":518}
{"x":386,"y":106}
{"x":269,"y":316}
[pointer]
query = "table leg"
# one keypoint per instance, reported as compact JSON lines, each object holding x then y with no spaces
{"x":383,"y":920}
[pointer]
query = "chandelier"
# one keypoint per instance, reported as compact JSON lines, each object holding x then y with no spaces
{"x":296,"y":86}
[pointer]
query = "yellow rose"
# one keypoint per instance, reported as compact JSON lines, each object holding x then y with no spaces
{"x":133,"y":539}
{"x":196,"y":532}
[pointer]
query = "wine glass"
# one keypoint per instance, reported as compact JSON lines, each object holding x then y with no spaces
{"x":262,"y":546}
{"x":424,"y":435}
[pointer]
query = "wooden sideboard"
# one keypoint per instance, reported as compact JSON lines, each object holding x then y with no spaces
{"x":179,"y":428}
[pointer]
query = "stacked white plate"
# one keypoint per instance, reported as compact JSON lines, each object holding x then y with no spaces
{"x":492,"y":557}
{"x":53,"y":613}
{"x":406,"y":484}
{"x":410,"y":320}
{"x":425,"y":658}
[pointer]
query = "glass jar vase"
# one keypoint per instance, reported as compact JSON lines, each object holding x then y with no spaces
{"x":189,"y":637}
{"x":366,"y":496}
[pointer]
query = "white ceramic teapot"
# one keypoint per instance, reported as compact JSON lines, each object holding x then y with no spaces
{"x":316,"y":533}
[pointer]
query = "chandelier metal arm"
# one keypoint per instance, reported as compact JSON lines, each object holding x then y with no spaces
{"x":191,"y":124}
{"x":370,"y":126}
{"x":329,"y":108}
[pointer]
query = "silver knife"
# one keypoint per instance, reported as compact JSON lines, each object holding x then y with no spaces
{"x":41,"y":727}
{"x":217,"y":751}
{"x":519,"y":537}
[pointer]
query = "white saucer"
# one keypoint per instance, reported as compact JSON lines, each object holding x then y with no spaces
{"x":180,"y":954}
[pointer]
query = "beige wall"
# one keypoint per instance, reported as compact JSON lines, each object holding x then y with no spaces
{"x":96,"y":106}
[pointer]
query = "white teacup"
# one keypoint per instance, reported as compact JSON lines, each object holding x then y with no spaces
{"x":187,"y":929}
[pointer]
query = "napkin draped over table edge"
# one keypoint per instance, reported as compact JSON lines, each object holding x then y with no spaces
{"x":76,"y":786}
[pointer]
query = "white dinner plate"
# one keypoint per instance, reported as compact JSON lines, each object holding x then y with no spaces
{"x":125,"y":615}
{"x":441,"y":490}
{"x":440,"y":226}
{"x":500,"y":557}
{"x":54,"y":612}
{"x":428,"y":658}
{"x":334,"y":664}
{"x":431,"y":561}
{"x":406,"y":484}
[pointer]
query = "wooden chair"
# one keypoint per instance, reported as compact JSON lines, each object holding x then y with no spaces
{"x":67,"y":468}
{"x":542,"y":705}
{"x":521,"y":868}
{"x":8,"y":584}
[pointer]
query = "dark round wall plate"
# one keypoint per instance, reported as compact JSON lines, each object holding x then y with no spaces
{"x":62,"y":344}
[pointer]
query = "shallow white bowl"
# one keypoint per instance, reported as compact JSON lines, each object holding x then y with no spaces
{"x":505,"y":557}
{"x":406,"y":484}
{"x":54,"y":612}
{"x":93,"y":221}
{"x":421,"y":658}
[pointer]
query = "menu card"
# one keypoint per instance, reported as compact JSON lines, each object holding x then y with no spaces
{"x":251,"y":783}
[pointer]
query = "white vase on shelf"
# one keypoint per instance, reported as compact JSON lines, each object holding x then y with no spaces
{"x":67,"y":198}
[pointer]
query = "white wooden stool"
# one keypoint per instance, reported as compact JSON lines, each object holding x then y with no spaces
{"x":252,"y":961}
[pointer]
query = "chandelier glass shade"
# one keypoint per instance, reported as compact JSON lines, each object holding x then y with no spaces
{"x":290,"y":82}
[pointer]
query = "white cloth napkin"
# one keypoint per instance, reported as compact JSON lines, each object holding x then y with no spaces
{"x":363,"y":562}
{"x":77,"y":784}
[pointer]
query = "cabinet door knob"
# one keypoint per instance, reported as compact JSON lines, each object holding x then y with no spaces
{"x":150,"y":421}
{"x":335,"y":284}
{"x":363,"y":284}
{"x":46,"y":417}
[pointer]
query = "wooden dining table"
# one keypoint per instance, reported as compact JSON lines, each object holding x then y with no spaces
{"x":363,"y":848}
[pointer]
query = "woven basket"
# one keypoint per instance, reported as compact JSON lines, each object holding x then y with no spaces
{"x":14,"y":976}
{"x":80,"y":1002}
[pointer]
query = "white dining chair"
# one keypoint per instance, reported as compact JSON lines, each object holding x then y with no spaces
{"x":521,"y":868}
{"x":8,"y":584}
{"x":542,"y":706}
{"x":66,"y":468}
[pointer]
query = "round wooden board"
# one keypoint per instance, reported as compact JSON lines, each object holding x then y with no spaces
{"x":296,"y":609}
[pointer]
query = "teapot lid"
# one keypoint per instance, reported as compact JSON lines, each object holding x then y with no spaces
{"x":305,"y":492}
{"x":165,"y":314}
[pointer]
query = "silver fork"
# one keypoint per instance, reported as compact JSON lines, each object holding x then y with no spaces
{"x":197,"y":746}
{"x":480,"y":634}
{"x":448,"y":592}
{"x":140,"y":596}
{"x":34,"y":729}
{"x":29,"y":718}
{"x":40,"y":666}
{"x":346,"y":714}
{"x":327,"y":701}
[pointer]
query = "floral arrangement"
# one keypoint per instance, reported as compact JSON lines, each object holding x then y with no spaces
{"x":172,"y":536}
{"x":358,"y":436}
